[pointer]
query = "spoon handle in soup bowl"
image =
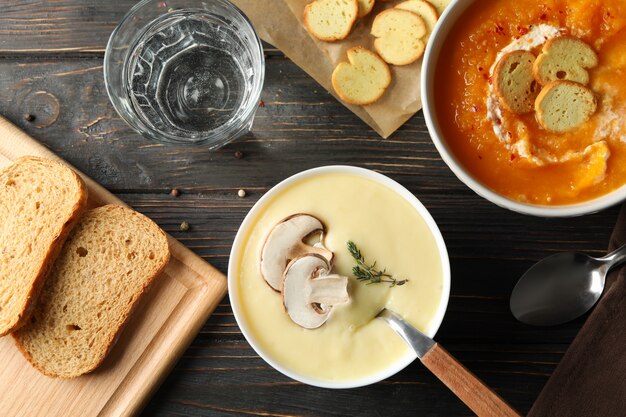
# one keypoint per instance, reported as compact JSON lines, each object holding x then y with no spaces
{"x":465,"y":385}
{"x":615,"y":258}
{"x":471,"y":390}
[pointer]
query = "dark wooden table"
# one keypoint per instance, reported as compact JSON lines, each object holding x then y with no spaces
{"x":51,"y":55}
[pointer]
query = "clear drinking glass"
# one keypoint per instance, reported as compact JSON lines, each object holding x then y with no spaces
{"x":185,"y":71}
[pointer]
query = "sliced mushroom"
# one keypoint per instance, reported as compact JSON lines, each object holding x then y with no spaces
{"x":286,"y":242}
{"x":309,"y":293}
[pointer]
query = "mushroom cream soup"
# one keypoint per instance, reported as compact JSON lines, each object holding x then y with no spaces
{"x":387,"y":229}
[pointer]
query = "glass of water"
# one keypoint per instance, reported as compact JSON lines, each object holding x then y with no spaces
{"x":185,"y":71}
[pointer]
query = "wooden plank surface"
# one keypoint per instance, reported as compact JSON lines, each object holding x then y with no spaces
{"x":51,"y":67}
{"x":68,"y":27}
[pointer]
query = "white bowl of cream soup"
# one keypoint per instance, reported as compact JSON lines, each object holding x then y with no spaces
{"x":390,"y":227}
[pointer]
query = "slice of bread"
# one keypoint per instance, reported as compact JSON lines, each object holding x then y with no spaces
{"x":111,"y":257}
{"x":564,"y":105}
{"x":399,"y":36}
{"x":424,"y":9}
{"x":40,"y":202}
{"x":331,"y":20}
{"x":514,"y":82}
{"x":365,"y":7}
{"x":364,"y":79}
{"x":566,"y":59}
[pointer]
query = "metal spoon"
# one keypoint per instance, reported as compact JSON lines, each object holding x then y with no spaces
{"x":471,"y":390}
{"x":562,"y":287}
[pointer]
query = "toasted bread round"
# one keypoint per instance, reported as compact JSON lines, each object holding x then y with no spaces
{"x":566,"y":59}
{"x":331,"y":20}
{"x":424,"y":9}
{"x":514,"y":82}
{"x":108,"y":262}
{"x":399,"y":36}
{"x":365,"y":7}
{"x":364,"y":79}
{"x":564,"y":105}
{"x":40,"y":202}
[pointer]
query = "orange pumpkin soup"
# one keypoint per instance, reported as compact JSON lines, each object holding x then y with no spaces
{"x":511,"y":153}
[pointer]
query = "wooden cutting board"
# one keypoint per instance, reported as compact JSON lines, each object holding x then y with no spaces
{"x":159,"y":331}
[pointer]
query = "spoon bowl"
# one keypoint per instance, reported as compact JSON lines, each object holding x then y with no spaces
{"x":562,"y":287}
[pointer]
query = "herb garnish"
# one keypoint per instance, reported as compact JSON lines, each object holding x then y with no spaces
{"x":364,"y":272}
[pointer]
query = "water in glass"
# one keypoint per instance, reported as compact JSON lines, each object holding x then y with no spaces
{"x":189,"y":73}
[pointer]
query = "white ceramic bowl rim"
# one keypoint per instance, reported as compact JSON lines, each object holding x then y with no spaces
{"x":233,"y":269}
{"x":446,"y":23}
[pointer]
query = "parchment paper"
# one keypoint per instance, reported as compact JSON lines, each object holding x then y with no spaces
{"x":279,"y":22}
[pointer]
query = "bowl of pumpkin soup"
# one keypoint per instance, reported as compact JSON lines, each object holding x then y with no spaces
{"x":318,"y":257}
{"x":526,"y":102}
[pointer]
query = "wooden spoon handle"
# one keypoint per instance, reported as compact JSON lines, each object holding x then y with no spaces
{"x":471,"y":390}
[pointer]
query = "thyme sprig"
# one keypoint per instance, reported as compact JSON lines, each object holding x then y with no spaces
{"x":369,"y":273}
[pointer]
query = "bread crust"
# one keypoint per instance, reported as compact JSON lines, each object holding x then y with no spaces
{"x":380,"y":49}
{"x":530,"y":94}
{"x":338,"y":88}
{"x":124,"y":318}
{"x":342,"y":35}
{"x":55,"y":247}
{"x":369,"y":6}
{"x":537,"y":67}
{"x":547,"y":90}
{"x":433,"y":14}
{"x":110,"y":343}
